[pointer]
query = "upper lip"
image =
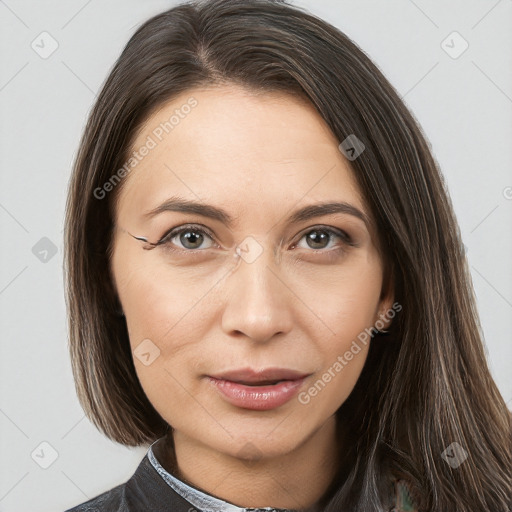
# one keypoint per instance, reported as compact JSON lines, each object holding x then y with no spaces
{"x":243,"y":375}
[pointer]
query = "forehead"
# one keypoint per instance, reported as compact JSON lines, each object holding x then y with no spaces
{"x":235,"y":145}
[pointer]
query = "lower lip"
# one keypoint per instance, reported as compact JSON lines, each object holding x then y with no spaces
{"x":257,"y":398}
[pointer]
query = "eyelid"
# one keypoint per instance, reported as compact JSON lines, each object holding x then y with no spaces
{"x":330,"y":229}
{"x":175,"y":231}
{"x":171,"y":233}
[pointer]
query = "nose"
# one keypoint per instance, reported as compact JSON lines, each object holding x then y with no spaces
{"x":258,"y":303}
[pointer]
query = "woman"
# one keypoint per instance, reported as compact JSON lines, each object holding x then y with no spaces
{"x":266,"y":280}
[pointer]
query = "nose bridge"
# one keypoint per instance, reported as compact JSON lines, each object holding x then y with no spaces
{"x":257,"y":301}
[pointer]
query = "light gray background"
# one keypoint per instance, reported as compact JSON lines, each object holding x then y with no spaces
{"x":463,"y":104}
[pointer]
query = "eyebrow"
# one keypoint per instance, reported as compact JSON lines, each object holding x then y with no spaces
{"x":178,"y":204}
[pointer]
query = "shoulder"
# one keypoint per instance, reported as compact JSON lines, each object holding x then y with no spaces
{"x":145,"y":490}
{"x":111,"y":501}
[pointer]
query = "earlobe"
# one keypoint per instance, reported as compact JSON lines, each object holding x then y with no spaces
{"x":119,"y":309}
{"x":386,"y":315}
{"x":386,"y":306}
{"x":112,"y":290}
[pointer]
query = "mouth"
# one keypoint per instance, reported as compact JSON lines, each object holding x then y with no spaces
{"x":258,"y":390}
{"x":268,"y":376}
{"x":259,"y":383}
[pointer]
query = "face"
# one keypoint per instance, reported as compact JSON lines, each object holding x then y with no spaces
{"x":255,"y":287}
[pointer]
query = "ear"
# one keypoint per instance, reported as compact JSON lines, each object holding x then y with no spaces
{"x":111,"y":291}
{"x":383,"y":318}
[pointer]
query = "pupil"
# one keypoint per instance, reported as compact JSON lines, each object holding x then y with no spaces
{"x":315,"y":239}
{"x":191,"y":237}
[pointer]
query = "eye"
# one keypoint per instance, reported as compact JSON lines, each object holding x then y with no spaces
{"x":187,"y":237}
{"x":192,"y":238}
{"x":320,"y":238}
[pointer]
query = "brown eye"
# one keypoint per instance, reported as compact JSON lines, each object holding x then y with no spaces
{"x":318,"y":239}
{"x":321,"y":238}
{"x":186,"y":238}
{"x":191,"y":239}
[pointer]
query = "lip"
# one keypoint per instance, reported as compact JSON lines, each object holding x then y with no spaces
{"x":248,"y":375}
{"x":241,"y":389}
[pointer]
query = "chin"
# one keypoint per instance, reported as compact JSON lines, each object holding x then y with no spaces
{"x":259,"y":444}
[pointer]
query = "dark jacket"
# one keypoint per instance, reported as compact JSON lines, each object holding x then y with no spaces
{"x":144,"y":491}
{"x":153,"y":489}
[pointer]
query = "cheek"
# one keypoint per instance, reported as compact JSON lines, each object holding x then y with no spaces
{"x":348,"y":307}
{"x":175,"y":310}
{"x":343,"y":353}
{"x":158,"y":302}
{"x":164,"y":331}
{"x":344,"y":298}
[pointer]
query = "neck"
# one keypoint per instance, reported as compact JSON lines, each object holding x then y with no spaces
{"x":294,"y":480}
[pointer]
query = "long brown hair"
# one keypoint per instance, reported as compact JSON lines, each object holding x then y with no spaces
{"x":424,"y":387}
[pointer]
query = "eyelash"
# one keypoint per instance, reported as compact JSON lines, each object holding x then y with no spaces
{"x":197,"y":228}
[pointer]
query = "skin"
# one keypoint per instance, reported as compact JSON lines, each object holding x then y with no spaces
{"x":260,"y":158}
